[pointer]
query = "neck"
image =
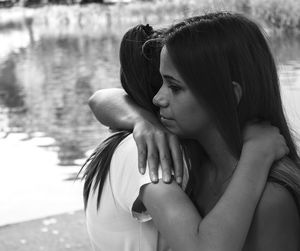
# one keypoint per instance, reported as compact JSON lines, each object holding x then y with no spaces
{"x":219,"y":154}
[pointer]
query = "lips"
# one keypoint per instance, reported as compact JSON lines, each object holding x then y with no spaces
{"x":164,"y":117}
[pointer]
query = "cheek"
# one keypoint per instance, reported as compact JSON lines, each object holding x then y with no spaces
{"x":191,"y":118}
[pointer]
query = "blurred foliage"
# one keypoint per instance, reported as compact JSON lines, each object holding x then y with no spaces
{"x":281,"y":15}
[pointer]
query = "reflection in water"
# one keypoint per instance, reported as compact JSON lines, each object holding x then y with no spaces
{"x":10,"y":91}
{"x":45,"y":86}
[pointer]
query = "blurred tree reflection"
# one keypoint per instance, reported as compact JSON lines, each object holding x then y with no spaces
{"x":50,"y":80}
{"x":53,"y":78}
{"x":11,"y":92}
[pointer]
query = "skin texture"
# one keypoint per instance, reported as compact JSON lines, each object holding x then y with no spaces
{"x":262,"y":145}
{"x":276,"y":223}
{"x":156,"y":145}
{"x":180,"y":111}
{"x":172,"y":211}
{"x":218,"y":230}
{"x":185,"y":116}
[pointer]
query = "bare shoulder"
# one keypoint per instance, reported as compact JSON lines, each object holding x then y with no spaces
{"x":276,"y":224}
{"x":276,"y":202}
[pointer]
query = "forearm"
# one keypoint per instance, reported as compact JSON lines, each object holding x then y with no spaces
{"x":226,"y":226}
{"x":113,"y":108}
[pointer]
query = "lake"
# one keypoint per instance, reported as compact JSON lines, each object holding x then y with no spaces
{"x":49,"y":69}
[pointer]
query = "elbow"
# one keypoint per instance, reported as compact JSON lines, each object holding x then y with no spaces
{"x":94,"y":100}
{"x":97,"y":103}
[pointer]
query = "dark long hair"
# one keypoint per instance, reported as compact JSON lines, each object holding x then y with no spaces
{"x":141,"y":80}
{"x":213,"y":50}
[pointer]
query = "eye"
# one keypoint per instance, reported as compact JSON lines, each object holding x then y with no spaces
{"x":174,"y":88}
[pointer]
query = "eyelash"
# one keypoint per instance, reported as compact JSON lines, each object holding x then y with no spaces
{"x":174,"y":88}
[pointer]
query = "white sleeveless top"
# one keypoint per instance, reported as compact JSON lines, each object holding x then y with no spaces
{"x":115,"y":227}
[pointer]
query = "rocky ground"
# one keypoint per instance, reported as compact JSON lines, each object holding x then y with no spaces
{"x":56,"y":233}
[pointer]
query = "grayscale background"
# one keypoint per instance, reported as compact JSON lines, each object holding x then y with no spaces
{"x":53,"y":56}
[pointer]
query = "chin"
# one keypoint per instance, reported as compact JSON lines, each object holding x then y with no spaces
{"x":179,"y":133}
{"x":185,"y":134}
{"x":173,"y":130}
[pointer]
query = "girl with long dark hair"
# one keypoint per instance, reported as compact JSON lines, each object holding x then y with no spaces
{"x":115,"y":193}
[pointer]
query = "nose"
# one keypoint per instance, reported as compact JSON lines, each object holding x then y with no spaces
{"x":160,"y":99}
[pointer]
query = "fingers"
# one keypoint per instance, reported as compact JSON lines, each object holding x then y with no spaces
{"x":285,"y":147}
{"x":165,"y":157}
{"x":142,"y":155}
{"x":287,"y":150}
{"x":153,"y":161}
{"x":156,"y":146}
{"x":266,"y":137}
{"x":177,"y":157}
{"x":280,"y":146}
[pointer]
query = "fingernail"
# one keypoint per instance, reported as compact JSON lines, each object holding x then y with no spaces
{"x":167,"y":179}
{"x":142,"y":170}
{"x":153,"y":178}
{"x":179,"y":180}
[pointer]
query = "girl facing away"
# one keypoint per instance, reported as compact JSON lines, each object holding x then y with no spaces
{"x":213,"y":68}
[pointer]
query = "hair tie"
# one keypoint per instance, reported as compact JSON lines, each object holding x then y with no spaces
{"x":147,"y":29}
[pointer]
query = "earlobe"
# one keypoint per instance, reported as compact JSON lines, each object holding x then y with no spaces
{"x":237,"y":91}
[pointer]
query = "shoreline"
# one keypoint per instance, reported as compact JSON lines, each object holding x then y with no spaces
{"x":60,"y":232}
{"x":33,"y":185}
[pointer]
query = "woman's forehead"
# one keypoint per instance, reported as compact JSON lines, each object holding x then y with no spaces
{"x":167,"y":67}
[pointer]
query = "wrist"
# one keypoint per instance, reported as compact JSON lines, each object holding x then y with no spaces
{"x":257,"y":151}
{"x":140,"y":118}
{"x":254,"y":171}
{"x":145,"y":117}
{"x":137,"y":121}
{"x":257,"y":157}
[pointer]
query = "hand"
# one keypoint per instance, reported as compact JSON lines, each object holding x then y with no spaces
{"x":264,"y":140}
{"x":158,"y":146}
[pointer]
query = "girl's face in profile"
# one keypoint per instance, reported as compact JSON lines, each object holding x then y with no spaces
{"x":180,"y":112}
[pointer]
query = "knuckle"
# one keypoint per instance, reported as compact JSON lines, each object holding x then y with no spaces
{"x":142,"y":162}
{"x":142,"y":152}
{"x":178,"y":171}
{"x":159,"y":134}
{"x":166,"y":171}
{"x":172,"y":136}
{"x":146,"y":135}
{"x":138,"y":137}
{"x":166,"y":158}
{"x":152,"y":169}
{"x":153,"y":157}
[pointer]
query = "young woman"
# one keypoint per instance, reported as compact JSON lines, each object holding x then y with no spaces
{"x":125,"y":194}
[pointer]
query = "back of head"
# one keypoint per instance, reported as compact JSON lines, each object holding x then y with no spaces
{"x":141,"y":80}
{"x":212,"y":51}
{"x":139,"y":58}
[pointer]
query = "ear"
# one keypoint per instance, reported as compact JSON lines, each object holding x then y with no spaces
{"x":237,"y":91}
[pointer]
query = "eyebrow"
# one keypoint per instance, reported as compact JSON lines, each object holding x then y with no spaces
{"x":170,"y":78}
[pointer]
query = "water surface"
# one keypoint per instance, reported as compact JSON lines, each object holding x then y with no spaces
{"x":48,"y":72}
